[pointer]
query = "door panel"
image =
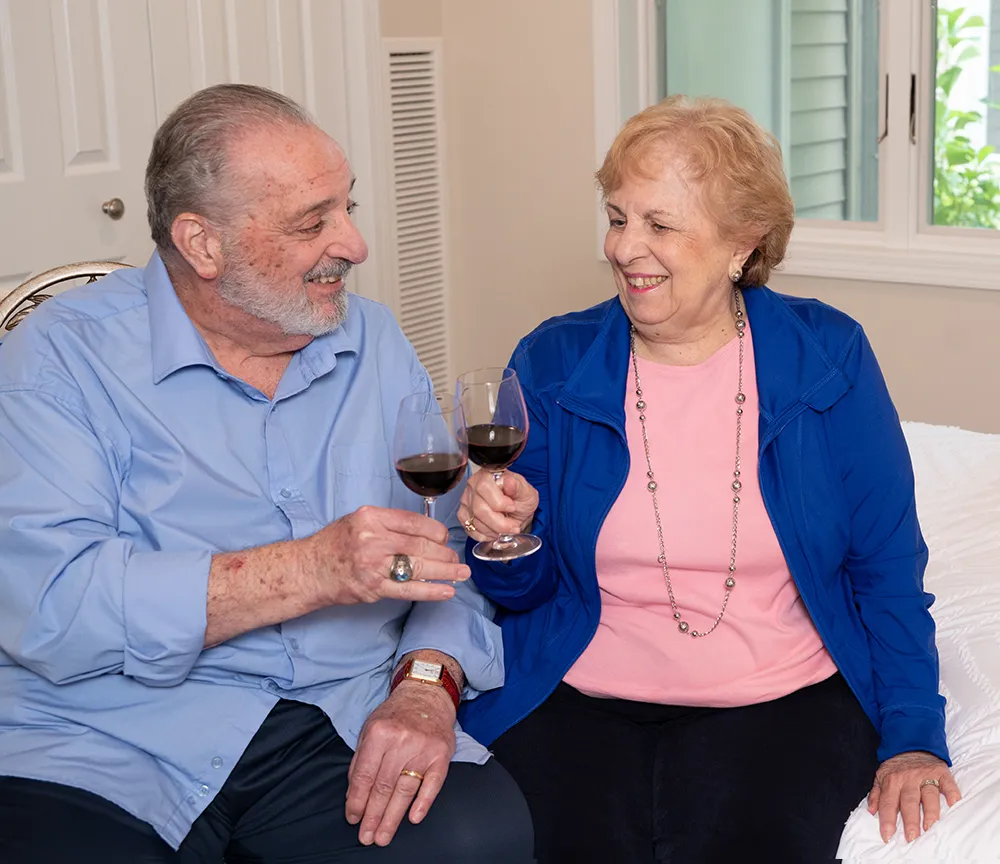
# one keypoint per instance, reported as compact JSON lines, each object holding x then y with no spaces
{"x":75,"y":127}
{"x":85,"y":83}
{"x":281,"y":44}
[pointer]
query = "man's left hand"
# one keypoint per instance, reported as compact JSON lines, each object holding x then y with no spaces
{"x":413,"y":730}
{"x":900,"y":788}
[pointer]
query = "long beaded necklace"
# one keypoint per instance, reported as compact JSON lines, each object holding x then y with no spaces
{"x":682,"y":626}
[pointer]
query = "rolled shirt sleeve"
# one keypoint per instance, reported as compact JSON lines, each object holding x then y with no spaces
{"x":462,"y":627}
{"x":165,"y":614}
{"x":76,"y":600}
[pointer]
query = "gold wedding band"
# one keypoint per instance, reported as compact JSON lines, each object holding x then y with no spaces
{"x":930,"y":783}
{"x":411,"y":773}
{"x":470,"y":524}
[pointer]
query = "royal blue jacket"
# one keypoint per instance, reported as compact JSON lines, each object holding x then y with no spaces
{"x":836,"y":480}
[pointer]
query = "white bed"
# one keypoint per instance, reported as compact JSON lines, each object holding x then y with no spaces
{"x":958,"y":499}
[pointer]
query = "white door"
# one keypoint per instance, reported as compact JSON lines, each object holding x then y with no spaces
{"x":324,"y":54}
{"x":76,"y":119}
{"x":85,"y":83}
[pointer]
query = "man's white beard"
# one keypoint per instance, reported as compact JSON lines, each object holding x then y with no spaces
{"x":297,"y":315}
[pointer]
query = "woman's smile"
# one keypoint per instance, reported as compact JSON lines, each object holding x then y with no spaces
{"x":640,"y":283}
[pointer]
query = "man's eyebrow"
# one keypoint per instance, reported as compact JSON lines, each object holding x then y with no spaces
{"x":320,"y":206}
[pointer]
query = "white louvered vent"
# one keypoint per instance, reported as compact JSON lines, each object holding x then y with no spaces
{"x":418,"y":190}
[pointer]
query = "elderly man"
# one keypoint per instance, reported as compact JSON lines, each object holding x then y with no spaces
{"x":203,"y":654}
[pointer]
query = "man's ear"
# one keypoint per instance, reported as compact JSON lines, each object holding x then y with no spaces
{"x":199,"y":244}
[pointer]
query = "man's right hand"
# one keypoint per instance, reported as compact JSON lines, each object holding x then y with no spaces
{"x":348,"y":561}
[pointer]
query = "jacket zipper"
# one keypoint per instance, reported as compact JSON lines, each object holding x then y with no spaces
{"x":607,"y":509}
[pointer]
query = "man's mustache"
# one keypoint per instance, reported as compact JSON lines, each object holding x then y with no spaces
{"x":336,"y":269}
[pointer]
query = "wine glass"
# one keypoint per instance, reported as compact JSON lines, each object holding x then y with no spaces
{"x":495,"y":430}
{"x":429,"y":453}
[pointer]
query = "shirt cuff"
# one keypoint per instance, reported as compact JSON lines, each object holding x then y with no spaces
{"x":165,"y":611}
{"x":461,"y":632}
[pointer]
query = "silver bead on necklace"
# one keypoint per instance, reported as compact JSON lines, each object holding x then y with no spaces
{"x":730,"y":583}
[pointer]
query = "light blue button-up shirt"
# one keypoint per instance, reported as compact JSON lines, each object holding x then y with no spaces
{"x":128,"y":457}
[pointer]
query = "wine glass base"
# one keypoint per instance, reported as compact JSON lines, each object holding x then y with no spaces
{"x":508,"y":549}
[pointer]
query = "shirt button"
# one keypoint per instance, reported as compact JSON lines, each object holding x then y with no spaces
{"x":293,"y":644}
{"x":203,"y":791}
{"x":285,"y":493}
{"x":216,"y":762}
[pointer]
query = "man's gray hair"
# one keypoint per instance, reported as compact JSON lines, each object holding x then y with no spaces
{"x":187,"y":168}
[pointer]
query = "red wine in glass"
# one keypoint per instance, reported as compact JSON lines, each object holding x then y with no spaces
{"x":495,"y":432}
{"x":431,"y":474}
{"x":494,"y":446}
{"x":428,"y":450}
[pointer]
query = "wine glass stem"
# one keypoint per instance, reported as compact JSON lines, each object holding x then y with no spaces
{"x":503,"y":541}
{"x":429,"y":508}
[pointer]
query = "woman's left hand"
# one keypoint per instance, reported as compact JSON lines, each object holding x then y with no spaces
{"x":900,"y":787}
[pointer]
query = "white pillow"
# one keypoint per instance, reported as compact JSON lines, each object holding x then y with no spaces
{"x":958,"y":501}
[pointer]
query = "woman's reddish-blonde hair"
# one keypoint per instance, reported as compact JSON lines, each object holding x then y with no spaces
{"x":735,"y":161}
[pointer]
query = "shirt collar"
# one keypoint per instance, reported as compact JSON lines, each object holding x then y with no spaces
{"x":176,"y":343}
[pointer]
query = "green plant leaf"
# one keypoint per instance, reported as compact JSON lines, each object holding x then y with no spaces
{"x":968,"y":53}
{"x":957,"y":155}
{"x":966,"y":184}
{"x":946,"y":80}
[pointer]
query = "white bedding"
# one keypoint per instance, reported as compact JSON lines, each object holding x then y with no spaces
{"x":958,"y":500}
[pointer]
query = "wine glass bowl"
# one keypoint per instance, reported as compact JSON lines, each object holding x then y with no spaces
{"x":428,"y":449}
{"x":495,"y":431}
{"x":494,"y":446}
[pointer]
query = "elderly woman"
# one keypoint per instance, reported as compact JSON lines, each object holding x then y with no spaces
{"x":724,"y":642}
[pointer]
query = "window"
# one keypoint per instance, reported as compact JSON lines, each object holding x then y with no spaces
{"x":888,"y":114}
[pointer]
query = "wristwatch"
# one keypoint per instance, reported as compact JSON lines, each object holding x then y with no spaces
{"x":436,"y":674}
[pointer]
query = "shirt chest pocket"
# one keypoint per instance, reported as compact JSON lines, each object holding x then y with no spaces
{"x":362,"y":474}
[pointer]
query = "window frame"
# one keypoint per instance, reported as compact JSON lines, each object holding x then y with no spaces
{"x":902,"y":246}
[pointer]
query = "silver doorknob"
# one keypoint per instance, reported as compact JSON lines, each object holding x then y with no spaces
{"x":115,"y":208}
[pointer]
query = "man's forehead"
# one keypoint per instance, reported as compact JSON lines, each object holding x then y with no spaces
{"x":290,"y":154}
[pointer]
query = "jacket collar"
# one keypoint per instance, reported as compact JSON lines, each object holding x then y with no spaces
{"x":596,"y":390}
{"x":793,"y":370}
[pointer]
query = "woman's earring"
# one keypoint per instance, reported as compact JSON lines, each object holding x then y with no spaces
{"x":736,"y":275}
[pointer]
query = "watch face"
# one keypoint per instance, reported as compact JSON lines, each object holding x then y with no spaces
{"x":425,"y":671}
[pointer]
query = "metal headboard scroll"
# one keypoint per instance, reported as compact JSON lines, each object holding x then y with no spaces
{"x":29,"y":295}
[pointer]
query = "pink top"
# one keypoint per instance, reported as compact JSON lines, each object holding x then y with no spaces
{"x":766,"y":645}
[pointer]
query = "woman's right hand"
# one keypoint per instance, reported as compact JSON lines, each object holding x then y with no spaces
{"x":487,"y":510}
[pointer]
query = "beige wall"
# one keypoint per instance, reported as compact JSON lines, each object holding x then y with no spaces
{"x":410,"y":18}
{"x":520,"y":157}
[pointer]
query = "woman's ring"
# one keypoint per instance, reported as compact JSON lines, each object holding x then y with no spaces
{"x":401,"y":569}
{"x":930,"y":783}
{"x":409,"y":772}
{"x":469,"y":524}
